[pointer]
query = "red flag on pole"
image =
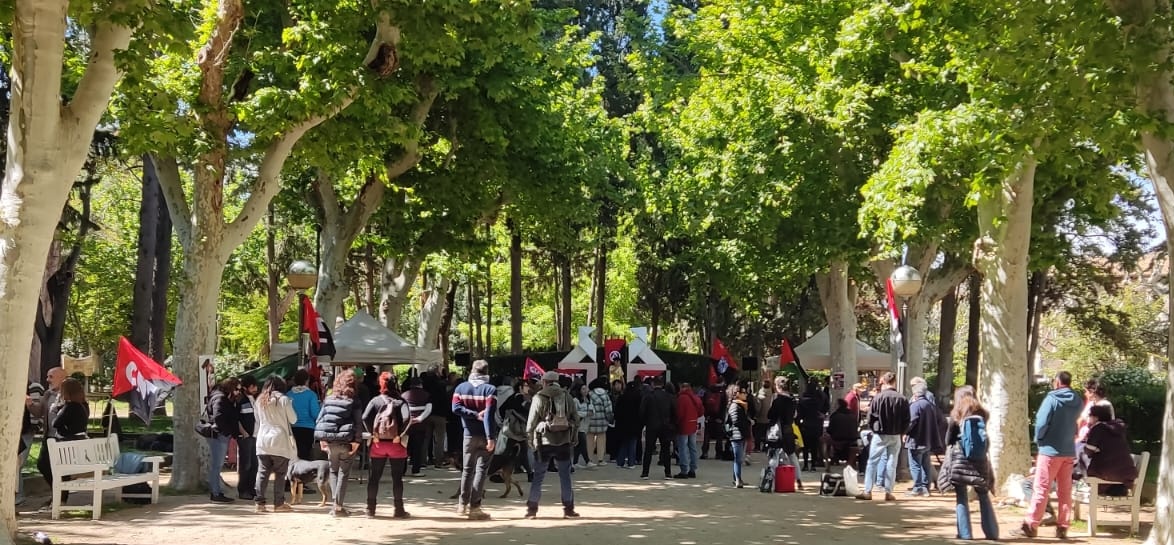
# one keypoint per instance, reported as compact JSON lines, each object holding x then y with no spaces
{"x":787,"y":357}
{"x":321,"y":341}
{"x":533,"y":370}
{"x":140,"y":381}
{"x":613,"y":350}
{"x":895,"y":320}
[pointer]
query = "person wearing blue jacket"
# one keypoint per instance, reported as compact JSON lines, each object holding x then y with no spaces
{"x":1055,"y":433}
{"x":474,"y":402}
{"x":306,"y":406}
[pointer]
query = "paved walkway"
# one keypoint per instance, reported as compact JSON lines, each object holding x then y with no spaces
{"x":616,"y":508}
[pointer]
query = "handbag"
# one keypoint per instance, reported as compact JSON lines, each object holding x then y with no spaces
{"x":205,"y":428}
{"x":775,"y":433}
{"x":831,"y":484}
{"x":943,"y":481}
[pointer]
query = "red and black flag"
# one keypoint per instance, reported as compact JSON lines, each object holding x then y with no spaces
{"x":321,"y":341}
{"x":532,"y":371}
{"x":141,"y":381}
{"x":722,"y":363}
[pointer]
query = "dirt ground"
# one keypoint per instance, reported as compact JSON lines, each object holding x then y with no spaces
{"x":616,"y":507}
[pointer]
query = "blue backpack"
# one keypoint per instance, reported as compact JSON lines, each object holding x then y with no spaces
{"x":974,"y":439}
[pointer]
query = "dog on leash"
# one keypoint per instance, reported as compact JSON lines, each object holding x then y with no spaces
{"x":304,"y":471}
{"x":502,"y":465}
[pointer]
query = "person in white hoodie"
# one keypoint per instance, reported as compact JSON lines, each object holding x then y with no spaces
{"x":275,"y":443}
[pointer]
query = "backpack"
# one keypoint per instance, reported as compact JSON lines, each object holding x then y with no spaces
{"x":974,"y":439}
{"x":557,"y":421}
{"x":386,"y":426}
{"x":713,"y":404}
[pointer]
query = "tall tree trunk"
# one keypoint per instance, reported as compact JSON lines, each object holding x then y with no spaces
{"x":515,"y":288}
{"x":340,"y":228}
{"x":140,"y":322}
{"x":60,"y":285}
{"x":1156,"y":98}
{"x":1035,"y":309}
{"x":446,"y":319}
{"x":601,"y":301}
{"x":273,"y":282}
{"x":431,"y":313}
{"x":476,"y":341}
{"x":1160,"y":162}
{"x":369,"y":279}
{"x":565,"y":309}
{"x":974,"y":319}
{"x":838,"y":296}
{"x":396,"y":281}
{"x":949,"y":322}
{"x":1001,"y":254}
{"x":342,"y":225}
{"x":556,"y":303}
{"x":47,"y":145}
{"x":592,"y":294}
{"x":489,"y":310}
{"x":161,"y":286}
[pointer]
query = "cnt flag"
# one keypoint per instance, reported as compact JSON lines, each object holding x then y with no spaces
{"x":722,"y":363}
{"x":787,"y":356}
{"x":140,"y":381}
{"x":321,"y":341}
{"x":895,"y":321}
{"x":533,"y":370}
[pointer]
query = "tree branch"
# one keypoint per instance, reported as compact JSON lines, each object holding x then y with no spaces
{"x":269,"y":174}
{"x":177,"y":201}
{"x":214,"y":54}
{"x":327,"y":197}
{"x":369,"y":199}
{"x":93,"y":91}
{"x":411,"y":156}
{"x":941,"y":280}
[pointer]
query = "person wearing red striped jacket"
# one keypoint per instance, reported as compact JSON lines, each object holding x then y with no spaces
{"x":474,"y":402}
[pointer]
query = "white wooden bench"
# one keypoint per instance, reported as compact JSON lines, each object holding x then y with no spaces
{"x":91,"y":462}
{"x":1094,"y":500}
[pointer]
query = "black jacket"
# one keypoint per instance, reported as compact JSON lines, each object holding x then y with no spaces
{"x":224,"y":414}
{"x":737,"y":422}
{"x":658,"y":410}
{"x":888,"y":413}
{"x":810,"y":416}
{"x":843,"y":426}
{"x":627,"y":411}
{"x":71,"y":422}
{"x":962,"y":470}
{"x":340,"y":421}
{"x":782,"y":412}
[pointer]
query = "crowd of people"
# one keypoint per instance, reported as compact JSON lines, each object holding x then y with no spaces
{"x":557,"y":423}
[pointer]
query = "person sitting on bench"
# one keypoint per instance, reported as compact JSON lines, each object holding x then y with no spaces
{"x":842,"y":437}
{"x":1107,"y":448}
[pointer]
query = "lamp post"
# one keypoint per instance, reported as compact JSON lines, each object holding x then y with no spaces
{"x":906,"y":283}
{"x":301,"y":277}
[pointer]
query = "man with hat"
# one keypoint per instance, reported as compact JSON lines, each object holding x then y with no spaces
{"x":553,"y":429}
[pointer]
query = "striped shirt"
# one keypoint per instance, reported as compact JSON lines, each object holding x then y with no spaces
{"x":472,"y":398}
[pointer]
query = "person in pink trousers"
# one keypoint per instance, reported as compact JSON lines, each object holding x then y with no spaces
{"x":1055,"y":433}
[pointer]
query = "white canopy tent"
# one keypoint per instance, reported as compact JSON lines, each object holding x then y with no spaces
{"x":816,"y":353}
{"x":363,"y":340}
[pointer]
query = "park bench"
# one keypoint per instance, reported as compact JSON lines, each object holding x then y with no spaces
{"x":1094,"y":500}
{"x":91,"y":462}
